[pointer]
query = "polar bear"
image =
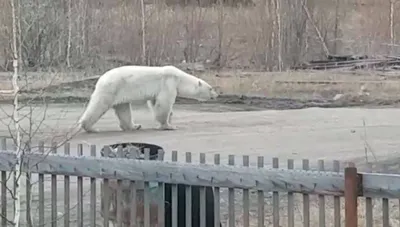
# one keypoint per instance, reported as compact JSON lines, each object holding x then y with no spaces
{"x":158,"y":86}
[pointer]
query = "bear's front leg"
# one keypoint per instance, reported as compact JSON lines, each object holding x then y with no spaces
{"x":151,"y":104}
{"x":163,"y":112}
{"x":163,"y":117}
{"x":123,"y":112}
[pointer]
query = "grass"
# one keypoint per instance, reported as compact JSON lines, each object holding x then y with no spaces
{"x":285,"y":85}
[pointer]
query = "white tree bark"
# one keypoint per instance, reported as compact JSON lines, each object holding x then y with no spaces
{"x":335,"y":47}
{"x":17,"y":201}
{"x":220,"y":33}
{"x":278,"y":32}
{"x":69,"y":33}
{"x":324,"y":46}
{"x":143,"y":32}
{"x":391,"y":23}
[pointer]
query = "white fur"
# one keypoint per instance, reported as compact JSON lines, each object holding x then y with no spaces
{"x":156,"y":86}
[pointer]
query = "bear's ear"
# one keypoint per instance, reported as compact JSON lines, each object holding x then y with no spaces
{"x":200,"y":84}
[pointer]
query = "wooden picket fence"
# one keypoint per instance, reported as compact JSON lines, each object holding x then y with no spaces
{"x":255,"y":195}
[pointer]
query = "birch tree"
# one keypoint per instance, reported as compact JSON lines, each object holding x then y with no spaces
{"x":15,"y":116}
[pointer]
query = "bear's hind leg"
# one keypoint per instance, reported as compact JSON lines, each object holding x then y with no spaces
{"x":96,"y":108}
{"x":123,"y":112}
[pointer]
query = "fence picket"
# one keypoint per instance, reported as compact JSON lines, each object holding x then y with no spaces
{"x":133,"y":205}
{"x":260,"y":195}
{"x":306,"y":199}
{"x":3,"y":146}
{"x":105,"y":194}
{"x":133,"y":196}
{"x":41,"y":190}
{"x":67,"y":147}
{"x":28,"y":192}
{"x":54,"y":191}
{"x":188,"y":196}
{"x":174,"y":196}
{"x":368,"y":205}
{"x":146,"y":193}
{"x":290,"y":205}
{"x":161,"y":191}
{"x":217,"y":218}
{"x":231,"y":197}
{"x":119,"y":208}
{"x":385,"y":205}
{"x":336,"y":199}
{"x":246,"y":198}
{"x":93,"y":191}
{"x":202,"y":197}
{"x":321,"y":198}
{"x":80,"y":192}
{"x":275,"y":198}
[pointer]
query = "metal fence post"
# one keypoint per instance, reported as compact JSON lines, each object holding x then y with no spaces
{"x":350,"y":195}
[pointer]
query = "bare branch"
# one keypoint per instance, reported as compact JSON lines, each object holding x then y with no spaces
{"x":324,"y":46}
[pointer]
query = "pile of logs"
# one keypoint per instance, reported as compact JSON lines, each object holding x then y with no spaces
{"x":352,"y":62}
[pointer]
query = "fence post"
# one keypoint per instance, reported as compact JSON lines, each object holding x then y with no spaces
{"x":350,"y":195}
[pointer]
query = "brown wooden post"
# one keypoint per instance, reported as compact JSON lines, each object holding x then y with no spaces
{"x":350,"y":195}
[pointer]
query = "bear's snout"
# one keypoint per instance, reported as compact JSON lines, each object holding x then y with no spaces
{"x":214,"y":94}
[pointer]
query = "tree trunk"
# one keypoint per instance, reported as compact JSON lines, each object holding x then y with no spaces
{"x":143,"y":32}
{"x":15,"y":116}
{"x":68,"y":55}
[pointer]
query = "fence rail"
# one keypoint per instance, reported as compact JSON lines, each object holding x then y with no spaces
{"x":135,"y":191}
{"x":224,"y":176}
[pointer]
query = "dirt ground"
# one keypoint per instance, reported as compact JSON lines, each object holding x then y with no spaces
{"x":278,"y":125}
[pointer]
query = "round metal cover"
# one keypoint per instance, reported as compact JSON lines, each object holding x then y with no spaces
{"x":139,"y":147}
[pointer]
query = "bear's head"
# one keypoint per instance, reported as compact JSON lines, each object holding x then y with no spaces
{"x":205,"y":92}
